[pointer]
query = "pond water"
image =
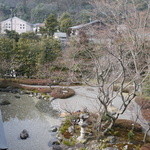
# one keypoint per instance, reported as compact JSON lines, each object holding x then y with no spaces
{"x":36,"y":116}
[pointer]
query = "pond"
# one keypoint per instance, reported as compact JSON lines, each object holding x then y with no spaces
{"x":36,"y":116}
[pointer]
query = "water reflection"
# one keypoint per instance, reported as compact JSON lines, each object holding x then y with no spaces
{"x":31,"y":114}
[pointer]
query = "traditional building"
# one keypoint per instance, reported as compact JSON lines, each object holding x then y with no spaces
{"x":16,"y":24}
{"x":88,"y":32}
{"x":87,"y":28}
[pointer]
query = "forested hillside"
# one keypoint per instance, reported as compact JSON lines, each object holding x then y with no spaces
{"x":37,"y":10}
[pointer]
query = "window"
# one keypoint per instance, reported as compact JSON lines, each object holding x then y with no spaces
{"x":6,"y":25}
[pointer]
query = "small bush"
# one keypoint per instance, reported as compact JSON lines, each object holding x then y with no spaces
{"x":62,"y":93}
{"x":70,"y":142}
{"x":64,"y":127}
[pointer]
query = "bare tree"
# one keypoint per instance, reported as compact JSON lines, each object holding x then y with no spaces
{"x":120,"y":57}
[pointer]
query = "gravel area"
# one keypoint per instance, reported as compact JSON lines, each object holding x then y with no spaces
{"x":86,"y":97}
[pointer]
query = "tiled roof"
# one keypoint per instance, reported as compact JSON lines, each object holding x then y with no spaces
{"x":84,"y":25}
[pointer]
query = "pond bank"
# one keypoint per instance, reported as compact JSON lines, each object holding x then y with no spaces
{"x":86,"y":97}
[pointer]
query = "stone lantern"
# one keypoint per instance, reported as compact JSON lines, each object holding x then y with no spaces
{"x":83,"y":124}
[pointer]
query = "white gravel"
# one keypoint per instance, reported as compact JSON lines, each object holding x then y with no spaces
{"x":86,"y":97}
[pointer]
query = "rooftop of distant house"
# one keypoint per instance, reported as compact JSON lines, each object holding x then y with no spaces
{"x":87,"y":24}
{"x":60,"y":34}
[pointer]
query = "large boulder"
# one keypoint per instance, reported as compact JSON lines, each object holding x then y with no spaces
{"x":54,"y":129}
{"x":56,"y":147}
{"x":5,"y":102}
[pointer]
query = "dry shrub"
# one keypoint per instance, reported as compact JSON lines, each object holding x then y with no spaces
{"x":146,"y":114}
{"x":62,"y":93}
{"x":144,"y":102}
{"x":145,"y":147}
{"x":127,"y":125}
{"x":125,"y":90}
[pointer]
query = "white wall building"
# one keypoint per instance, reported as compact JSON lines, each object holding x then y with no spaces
{"x":16,"y":24}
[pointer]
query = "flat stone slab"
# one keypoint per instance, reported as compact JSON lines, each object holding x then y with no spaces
{"x":3,"y":142}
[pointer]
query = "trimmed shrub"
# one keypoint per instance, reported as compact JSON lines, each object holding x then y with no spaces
{"x":127,"y":125}
{"x":6,"y":83}
{"x":62,"y":93}
{"x":31,"y":81}
{"x":44,"y":90}
{"x":34,"y":81}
